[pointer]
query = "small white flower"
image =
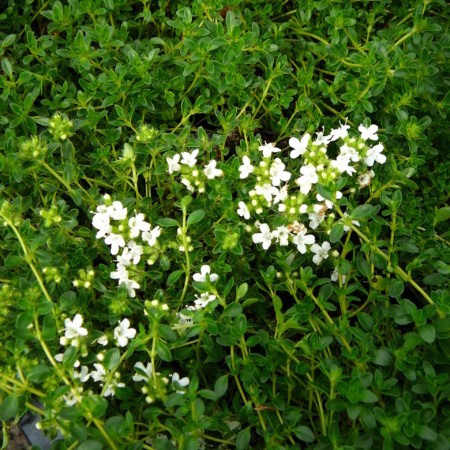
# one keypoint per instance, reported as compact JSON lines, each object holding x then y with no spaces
{"x":315,"y":219}
{"x":188,"y":184}
{"x":267,"y":191}
{"x":99,"y":374}
{"x":281,"y":235}
{"x":138,"y":224}
{"x":203,"y":300}
{"x":268,"y":149}
{"x":308,"y":178}
{"x":365,"y":179}
{"x":246,"y":168}
{"x":335,"y":276}
{"x":123,"y":332}
{"x":189,"y":158}
{"x":115,"y":241}
{"x":173,"y":164}
{"x":101,"y":221}
{"x":352,"y":154}
{"x":150,"y":236}
{"x":147,"y":370}
{"x":116,"y":211}
{"x":320,"y":252}
{"x":339,"y":133}
{"x":374,"y":155}
{"x":301,"y":240}
{"x":182,"y":382}
{"x":368,"y":133}
{"x":135,"y":251}
{"x":281,"y":195}
{"x":277,"y":173}
{"x":205,"y":274}
{"x":73,"y":396}
{"x":211,"y":172}
{"x":102,"y":340}
{"x":120,"y":274}
{"x":354,"y":222}
{"x":264,"y":238}
{"x":341,"y":163}
{"x":243,"y":211}
{"x":73,"y":329}
{"x":83,"y":375}
{"x":299,"y":146}
{"x":321,"y":139}
{"x":131,"y":285}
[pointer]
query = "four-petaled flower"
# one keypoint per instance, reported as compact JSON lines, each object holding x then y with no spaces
{"x":148,"y":371}
{"x":277,"y":172}
{"x":205,"y":275}
{"x":203,"y":300}
{"x":138,"y":224}
{"x":123,"y":332}
{"x":264,"y":238}
{"x":189,"y":158}
{"x":174,"y":163}
{"x":73,"y":330}
{"x":243,"y":211}
{"x":374,"y":154}
{"x":299,"y":146}
{"x":268,"y":149}
{"x":115,"y":241}
{"x":320,"y":252}
{"x":368,"y":133}
{"x":246,"y":168}
{"x":211,"y":172}
{"x":116,"y":211}
{"x":181,"y":382}
{"x":301,"y":240}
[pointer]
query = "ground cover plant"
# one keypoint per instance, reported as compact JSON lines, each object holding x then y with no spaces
{"x":224,"y":223}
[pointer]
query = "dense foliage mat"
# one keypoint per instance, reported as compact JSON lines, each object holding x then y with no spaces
{"x":224,"y":223}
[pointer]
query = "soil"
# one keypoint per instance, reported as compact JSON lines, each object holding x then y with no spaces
{"x":17,"y":440}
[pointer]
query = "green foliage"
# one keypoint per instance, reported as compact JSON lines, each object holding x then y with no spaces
{"x":96,"y":97}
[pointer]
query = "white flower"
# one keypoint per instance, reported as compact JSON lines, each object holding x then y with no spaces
{"x":315,"y":219}
{"x":138,"y":224}
{"x":83,"y":375}
{"x":99,"y":374}
{"x":281,"y":195}
{"x":189,"y":158}
{"x":102,"y":340}
{"x":188,"y":184}
{"x":320,"y":252}
{"x":203,"y":300}
{"x":101,"y":221}
{"x":182,"y":382}
{"x":321,"y":139}
{"x":211,"y":172}
{"x":205,"y":274}
{"x":243,"y":211}
{"x":246,"y":169}
{"x":299,"y":146}
{"x":147,"y":370}
{"x":264,"y":238}
{"x":277,"y":173}
{"x":268,"y":149}
{"x":350,"y":152}
{"x":339,"y":133}
{"x":301,"y":240}
{"x":150,"y":237}
{"x":335,"y":276}
{"x":341,"y":163}
{"x":120,"y":274}
{"x":115,"y":241}
{"x":308,"y":178}
{"x":131,"y":285}
{"x":73,"y":329}
{"x":185,"y":320}
{"x":365,"y":178}
{"x":173,"y":164}
{"x":374,"y":154}
{"x":135,"y":251}
{"x":354,"y":222}
{"x":116,"y":211}
{"x":266,"y":190}
{"x":281,"y":235}
{"x":368,"y":133}
{"x":73,"y":396}
{"x":123,"y":332}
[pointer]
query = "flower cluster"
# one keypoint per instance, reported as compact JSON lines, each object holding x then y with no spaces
{"x":305,"y":204}
{"x":133,"y":236}
{"x":192,"y":176}
{"x":60,"y":127}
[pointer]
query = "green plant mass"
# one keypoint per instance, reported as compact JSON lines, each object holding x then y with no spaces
{"x":224,"y":223}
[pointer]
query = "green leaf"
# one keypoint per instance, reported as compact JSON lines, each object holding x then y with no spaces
{"x":9,"y":407}
{"x":305,"y":434}
{"x":167,"y":222}
{"x":90,"y":445}
{"x":363,"y":211}
{"x":7,"y":67}
{"x":243,"y":437}
{"x":112,"y":359}
{"x":195,"y":217}
{"x":95,"y":404}
{"x":325,"y":292}
{"x":427,"y":333}
{"x":163,"y":351}
{"x":174,"y":276}
{"x":241,"y":291}
{"x":186,"y":201}
{"x":396,"y":288}
{"x":78,"y":430}
{"x":38,"y":373}
{"x":368,"y":396}
{"x":442,"y":214}
{"x":336,"y":232}
{"x":232,"y":310}
{"x":12,"y":261}
{"x":221,"y":386}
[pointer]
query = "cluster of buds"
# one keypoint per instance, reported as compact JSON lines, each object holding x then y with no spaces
{"x":85,"y":278}
{"x":60,"y":127}
{"x":52,"y":275}
{"x":32,"y":149}
{"x":51,"y":217}
{"x":9,"y":214}
{"x":146,"y":134}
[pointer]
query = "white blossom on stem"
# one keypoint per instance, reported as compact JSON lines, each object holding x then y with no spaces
{"x":123,"y":332}
{"x":243,"y":211}
{"x":368,"y":133}
{"x":189,"y":158}
{"x":268,"y":149}
{"x":173,"y":163}
{"x":320,"y":252}
{"x":264,"y":237}
{"x":246,"y":168}
{"x":299,"y":146}
{"x":205,"y":275}
{"x":211,"y":172}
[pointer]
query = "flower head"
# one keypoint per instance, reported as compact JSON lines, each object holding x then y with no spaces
{"x":203,"y":300}
{"x":277,"y":172}
{"x":320,"y":252}
{"x":116,"y":211}
{"x":211,"y":172}
{"x":246,"y":168}
{"x":299,"y":146}
{"x":301,"y":239}
{"x":243,"y":211}
{"x":374,"y":155}
{"x":189,"y":158}
{"x":138,"y":224}
{"x":144,"y":373}
{"x":173,"y":163}
{"x":368,"y":133}
{"x":205,"y":275}
{"x":264,"y":237}
{"x":123,"y":332}
{"x":268,"y":149}
{"x":73,"y":330}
